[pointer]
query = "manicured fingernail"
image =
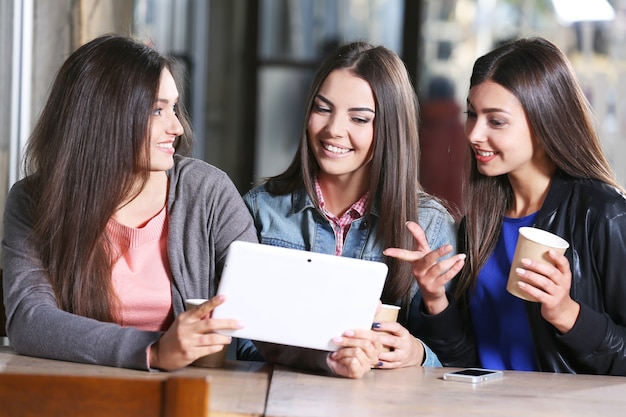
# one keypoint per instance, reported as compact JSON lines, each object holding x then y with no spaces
{"x":375,"y":325}
{"x":526,"y":261}
{"x":379,"y":364}
{"x":337,"y":340}
{"x":520,"y":271}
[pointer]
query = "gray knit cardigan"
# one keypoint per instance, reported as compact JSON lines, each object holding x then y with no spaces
{"x":205,"y":214}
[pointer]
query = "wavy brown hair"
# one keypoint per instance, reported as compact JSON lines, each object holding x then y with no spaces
{"x":560,"y":120}
{"x":393,"y":185}
{"x":87,"y":151}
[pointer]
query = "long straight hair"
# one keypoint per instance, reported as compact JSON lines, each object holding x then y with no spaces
{"x":86,"y":154}
{"x":561,"y":121}
{"x":393,"y":185}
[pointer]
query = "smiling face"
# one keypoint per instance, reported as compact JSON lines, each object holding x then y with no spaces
{"x":341,"y":127}
{"x":164,"y":125}
{"x":498,"y":132}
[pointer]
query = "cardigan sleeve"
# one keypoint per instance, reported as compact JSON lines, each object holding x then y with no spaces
{"x":35,"y":325}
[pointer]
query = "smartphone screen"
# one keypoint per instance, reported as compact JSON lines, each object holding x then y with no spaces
{"x":473,"y":372}
{"x":472,"y":375}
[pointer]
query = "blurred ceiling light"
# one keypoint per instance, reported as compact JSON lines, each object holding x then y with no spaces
{"x":570,"y":11}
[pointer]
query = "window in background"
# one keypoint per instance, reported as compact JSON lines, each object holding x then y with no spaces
{"x":294,"y":37}
{"x":592,"y":33}
{"x":9,"y":121}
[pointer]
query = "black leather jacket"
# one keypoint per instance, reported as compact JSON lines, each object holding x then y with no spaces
{"x":591,"y":216}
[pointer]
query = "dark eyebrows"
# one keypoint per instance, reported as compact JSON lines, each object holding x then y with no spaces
{"x":362,"y":109}
{"x":488,"y":110}
{"x":327,"y":101}
{"x":324,"y":99}
{"x":165,"y":101}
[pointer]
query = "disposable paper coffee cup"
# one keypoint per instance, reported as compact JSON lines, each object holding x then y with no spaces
{"x":194,"y":302}
{"x":214,"y":360}
{"x":534,"y":244}
{"x":387,"y":313}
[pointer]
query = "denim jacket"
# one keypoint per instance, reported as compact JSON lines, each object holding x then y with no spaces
{"x":293,"y":221}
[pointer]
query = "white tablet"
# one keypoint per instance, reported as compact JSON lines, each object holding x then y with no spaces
{"x":295,"y":297}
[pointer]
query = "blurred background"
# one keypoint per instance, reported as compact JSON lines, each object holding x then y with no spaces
{"x":249,"y":64}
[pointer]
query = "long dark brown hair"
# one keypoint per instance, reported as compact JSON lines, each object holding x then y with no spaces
{"x":86,"y":154}
{"x":393,"y":185}
{"x":560,"y":120}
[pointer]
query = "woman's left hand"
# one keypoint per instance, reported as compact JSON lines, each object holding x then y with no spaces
{"x":550,"y":285}
{"x":406,"y":350}
{"x":357,"y":354}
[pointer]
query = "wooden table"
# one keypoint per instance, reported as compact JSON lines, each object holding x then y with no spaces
{"x":238,"y":389}
{"x":422,"y":392}
{"x":257,"y":389}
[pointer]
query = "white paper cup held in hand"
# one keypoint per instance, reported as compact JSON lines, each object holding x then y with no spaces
{"x":214,"y":360}
{"x":534,"y":244}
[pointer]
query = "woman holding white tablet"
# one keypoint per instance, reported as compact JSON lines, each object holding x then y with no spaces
{"x":350,"y":189}
{"x":111,"y":229}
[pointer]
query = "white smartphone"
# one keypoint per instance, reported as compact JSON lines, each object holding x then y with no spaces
{"x":473,"y":375}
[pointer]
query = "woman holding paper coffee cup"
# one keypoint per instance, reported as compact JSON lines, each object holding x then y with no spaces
{"x":349,"y":190}
{"x":111,"y":229}
{"x":537,"y":161}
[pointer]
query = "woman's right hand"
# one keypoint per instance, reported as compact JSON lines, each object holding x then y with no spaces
{"x":191,"y":336}
{"x":432,"y":273}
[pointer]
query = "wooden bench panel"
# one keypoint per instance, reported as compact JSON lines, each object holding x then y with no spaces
{"x":25,"y":395}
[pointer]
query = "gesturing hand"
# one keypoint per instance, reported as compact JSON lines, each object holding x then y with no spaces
{"x":431,"y":272}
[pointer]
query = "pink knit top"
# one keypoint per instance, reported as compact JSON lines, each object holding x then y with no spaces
{"x":141,"y":274}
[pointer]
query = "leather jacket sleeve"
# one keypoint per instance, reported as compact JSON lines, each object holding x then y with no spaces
{"x":450,"y":335}
{"x":592,"y":217}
